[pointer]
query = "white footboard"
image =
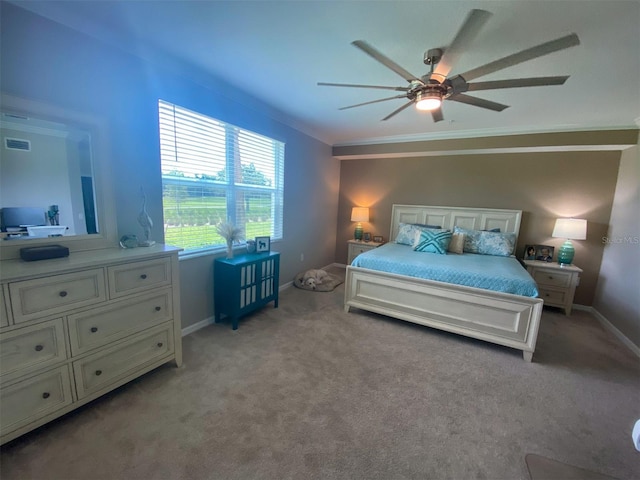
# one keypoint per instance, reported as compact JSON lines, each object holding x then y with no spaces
{"x":501,"y":318}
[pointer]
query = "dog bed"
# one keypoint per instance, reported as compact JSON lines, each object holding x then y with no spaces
{"x":328,"y":284}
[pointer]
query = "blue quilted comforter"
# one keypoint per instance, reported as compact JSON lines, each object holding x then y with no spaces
{"x":500,"y":274}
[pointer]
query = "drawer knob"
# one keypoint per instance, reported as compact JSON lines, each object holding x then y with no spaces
{"x":143,"y":276}
{"x":98,"y":372}
{"x":94,"y":329}
{"x":159,"y":344}
{"x":63,"y":293}
{"x":550,"y":277}
{"x":158,"y":309}
{"x":39,"y":348}
{"x":46,"y":395}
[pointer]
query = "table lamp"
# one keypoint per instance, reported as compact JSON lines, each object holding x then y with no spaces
{"x":570,"y":229}
{"x":359,"y":214}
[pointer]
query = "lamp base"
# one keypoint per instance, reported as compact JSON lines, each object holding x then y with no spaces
{"x":566,"y":253}
{"x":358,"y":234}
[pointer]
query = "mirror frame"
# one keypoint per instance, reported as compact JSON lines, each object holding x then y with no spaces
{"x":103,"y":186}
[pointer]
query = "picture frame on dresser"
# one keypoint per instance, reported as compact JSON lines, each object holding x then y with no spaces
{"x":378,"y":238}
{"x":366,"y":236}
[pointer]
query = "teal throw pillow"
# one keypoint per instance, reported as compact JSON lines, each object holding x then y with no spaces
{"x":433,"y":241}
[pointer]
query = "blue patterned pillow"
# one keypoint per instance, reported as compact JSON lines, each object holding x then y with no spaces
{"x":487,"y":242}
{"x":407,"y":232}
{"x":433,"y":241}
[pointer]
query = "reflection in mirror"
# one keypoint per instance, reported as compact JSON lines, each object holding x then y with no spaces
{"x":55,"y":178}
{"x":46,"y":178}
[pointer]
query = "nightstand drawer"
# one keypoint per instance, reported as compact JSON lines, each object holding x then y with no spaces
{"x":553,"y":297}
{"x":33,"y":347}
{"x":50,"y":295}
{"x":552,"y":278}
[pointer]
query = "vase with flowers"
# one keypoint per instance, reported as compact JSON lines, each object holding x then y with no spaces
{"x":231,"y":234}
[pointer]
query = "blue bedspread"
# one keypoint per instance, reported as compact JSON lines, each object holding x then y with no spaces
{"x":500,"y":274}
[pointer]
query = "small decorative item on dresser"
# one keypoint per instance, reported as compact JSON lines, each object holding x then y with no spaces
{"x":263,"y":244}
{"x":251,"y":246}
{"x":378,"y":238}
{"x":366,"y":236}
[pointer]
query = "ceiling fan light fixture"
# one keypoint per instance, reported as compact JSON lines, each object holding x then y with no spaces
{"x":428,"y":101}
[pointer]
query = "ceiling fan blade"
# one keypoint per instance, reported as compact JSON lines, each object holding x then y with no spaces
{"x":517,"y":82}
{"x":397,"y":110}
{"x":398,"y":89}
{"x":523,"y":56}
{"x":468,"y":31}
{"x":437,"y":115}
{"x":478,"y":102}
{"x":386,"y":61}
{"x":373,"y":101}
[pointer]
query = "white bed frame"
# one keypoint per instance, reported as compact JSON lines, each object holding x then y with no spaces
{"x":501,"y":318}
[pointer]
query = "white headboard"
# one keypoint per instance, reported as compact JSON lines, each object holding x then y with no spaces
{"x":508,"y":221}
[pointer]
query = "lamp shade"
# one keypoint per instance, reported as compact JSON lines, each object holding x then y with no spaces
{"x":570,"y":228}
{"x":360,"y":214}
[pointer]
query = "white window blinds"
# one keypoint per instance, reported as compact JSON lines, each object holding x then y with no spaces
{"x":214,"y":172}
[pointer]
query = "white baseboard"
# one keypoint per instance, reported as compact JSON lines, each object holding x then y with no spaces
{"x":211,"y":320}
{"x":197,"y":326}
{"x":610,"y":327}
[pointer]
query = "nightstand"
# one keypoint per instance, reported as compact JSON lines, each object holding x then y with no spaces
{"x":556,"y":283}
{"x":356,"y":247}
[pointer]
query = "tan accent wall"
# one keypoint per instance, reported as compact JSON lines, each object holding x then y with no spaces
{"x":544,"y":186}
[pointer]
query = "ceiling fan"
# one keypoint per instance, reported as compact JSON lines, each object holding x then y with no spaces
{"x":429,"y":91}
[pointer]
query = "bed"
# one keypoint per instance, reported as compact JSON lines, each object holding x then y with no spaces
{"x":500,"y":317}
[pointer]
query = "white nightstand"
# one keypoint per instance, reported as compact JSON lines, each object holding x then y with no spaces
{"x":556,"y":283}
{"x":356,"y":247}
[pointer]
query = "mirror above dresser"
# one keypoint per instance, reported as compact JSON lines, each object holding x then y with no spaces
{"x":55,"y":173}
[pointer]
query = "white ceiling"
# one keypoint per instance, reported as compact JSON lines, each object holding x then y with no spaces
{"x":279,"y":50}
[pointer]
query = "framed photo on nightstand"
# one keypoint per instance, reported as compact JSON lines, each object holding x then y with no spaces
{"x":543,"y":253}
{"x":263,"y":244}
{"x":378,"y":239}
{"x":366,"y":236}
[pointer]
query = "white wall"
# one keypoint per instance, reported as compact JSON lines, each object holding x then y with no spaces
{"x":618,"y":290}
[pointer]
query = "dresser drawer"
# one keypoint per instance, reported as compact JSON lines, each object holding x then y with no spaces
{"x":106,"y":367}
{"x":553,"y":297}
{"x":51,"y":295}
{"x":139,"y":276}
{"x":27,"y":401}
{"x":4,"y":313}
{"x":33,"y":347}
{"x":102,"y":325}
{"x":552,"y":278}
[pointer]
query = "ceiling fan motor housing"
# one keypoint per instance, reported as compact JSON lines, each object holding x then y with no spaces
{"x":433,"y":56}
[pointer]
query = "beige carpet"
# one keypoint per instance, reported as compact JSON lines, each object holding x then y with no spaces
{"x":307,"y":391}
{"x":541,"y":468}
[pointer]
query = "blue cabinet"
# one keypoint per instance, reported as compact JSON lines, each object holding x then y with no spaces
{"x":245,"y":283}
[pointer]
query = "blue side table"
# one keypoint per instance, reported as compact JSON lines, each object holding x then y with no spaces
{"x":245,"y":283}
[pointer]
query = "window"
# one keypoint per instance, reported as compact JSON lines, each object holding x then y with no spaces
{"x":215,"y":172}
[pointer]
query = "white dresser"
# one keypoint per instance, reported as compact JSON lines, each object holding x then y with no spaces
{"x":72,"y":329}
